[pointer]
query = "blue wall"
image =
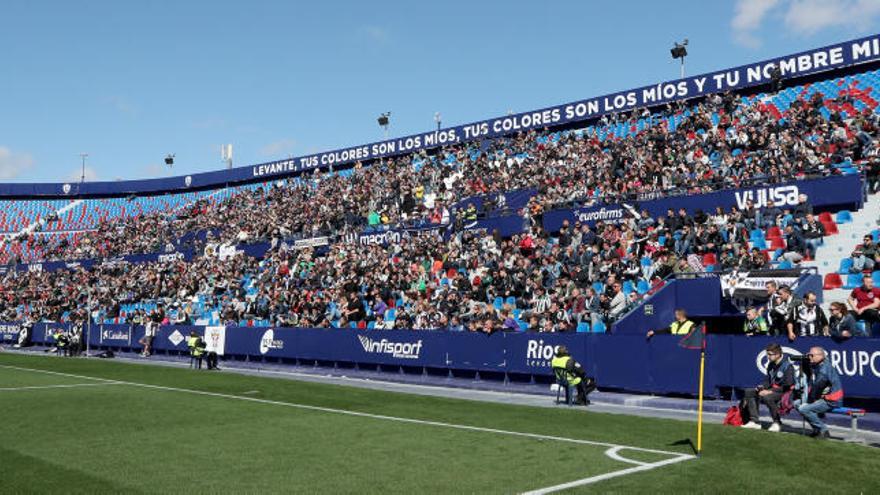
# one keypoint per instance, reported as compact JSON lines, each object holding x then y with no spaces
{"x":628,"y":362}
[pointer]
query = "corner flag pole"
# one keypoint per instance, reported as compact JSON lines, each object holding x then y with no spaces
{"x":700,"y":403}
{"x":696,"y":339}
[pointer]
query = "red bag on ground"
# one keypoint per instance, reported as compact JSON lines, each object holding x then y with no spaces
{"x":786,"y":404}
{"x":734,"y":416}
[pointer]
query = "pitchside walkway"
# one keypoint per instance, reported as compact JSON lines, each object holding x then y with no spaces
{"x":538,"y":395}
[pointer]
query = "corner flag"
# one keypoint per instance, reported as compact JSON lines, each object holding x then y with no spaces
{"x":696,"y":339}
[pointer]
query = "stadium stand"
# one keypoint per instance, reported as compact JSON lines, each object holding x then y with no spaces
{"x":452,"y":278}
{"x":714,"y":144}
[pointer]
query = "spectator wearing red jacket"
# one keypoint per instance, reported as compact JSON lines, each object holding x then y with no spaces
{"x":865,"y":301}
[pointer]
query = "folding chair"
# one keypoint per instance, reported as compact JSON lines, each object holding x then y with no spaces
{"x":563,"y":384}
{"x":195,"y":361}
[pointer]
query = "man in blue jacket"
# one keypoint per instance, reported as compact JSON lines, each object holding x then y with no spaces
{"x":779,"y":380}
{"x":824,"y":392}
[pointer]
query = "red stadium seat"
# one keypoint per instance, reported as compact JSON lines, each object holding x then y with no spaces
{"x":776,"y":243}
{"x":825,"y":217}
{"x":710,"y":259}
{"x":832,"y":281}
{"x":774,"y":231}
{"x":830,"y":228}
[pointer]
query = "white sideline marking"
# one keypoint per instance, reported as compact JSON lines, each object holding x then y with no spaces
{"x":612,"y":451}
{"x":327,"y":378}
{"x":612,"y":474}
{"x":41,"y":387}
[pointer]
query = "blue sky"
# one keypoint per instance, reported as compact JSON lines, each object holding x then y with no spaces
{"x":128,"y":82}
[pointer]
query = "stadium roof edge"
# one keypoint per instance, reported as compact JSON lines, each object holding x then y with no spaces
{"x":844,"y":57}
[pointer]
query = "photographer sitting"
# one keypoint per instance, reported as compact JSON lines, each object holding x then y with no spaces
{"x":825,"y":392}
{"x":564,"y":366}
{"x":779,"y":380}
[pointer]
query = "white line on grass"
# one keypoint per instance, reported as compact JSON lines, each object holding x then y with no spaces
{"x":612,"y":451}
{"x":378,"y":384}
{"x":612,"y":474}
{"x":41,"y":387}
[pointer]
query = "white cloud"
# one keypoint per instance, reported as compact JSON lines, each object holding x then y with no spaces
{"x":375,"y":33}
{"x":749,"y":14}
{"x":280,"y":147}
{"x":76,"y":175}
{"x":801,"y":17}
{"x":13,"y":163}
{"x":811,"y":16}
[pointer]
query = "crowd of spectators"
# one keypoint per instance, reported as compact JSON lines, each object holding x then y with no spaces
{"x":744,"y":143}
{"x":787,"y":315}
{"x":547,"y":281}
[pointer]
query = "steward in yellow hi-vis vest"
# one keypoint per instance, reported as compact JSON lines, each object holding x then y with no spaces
{"x":681,"y":326}
{"x":196,"y":349}
{"x":570,"y":373}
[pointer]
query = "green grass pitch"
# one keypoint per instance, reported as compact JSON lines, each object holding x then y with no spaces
{"x":93,"y":426}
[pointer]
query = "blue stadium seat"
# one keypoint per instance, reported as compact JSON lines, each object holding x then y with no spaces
{"x":628,"y":287}
{"x":498,"y":303}
{"x":875,"y":276}
{"x":391,"y":314}
{"x":643,"y":287}
{"x":843,"y":216}
{"x":845,"y":265}
{"x":510,"y":301}
{"x":599,"y":327}
{"x":861,"y":325}
{"x":784,"y":265}
{"x":583,"y":327}
{"x":853,"y":280}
